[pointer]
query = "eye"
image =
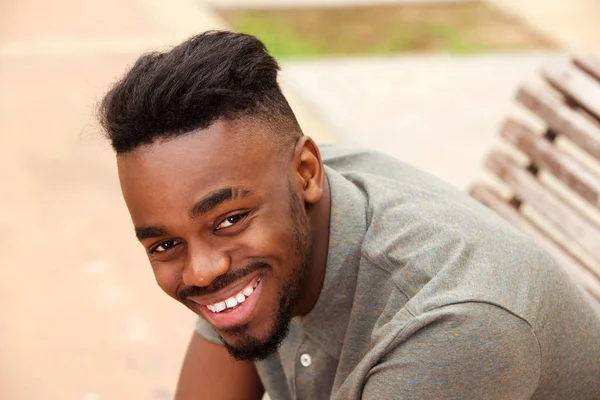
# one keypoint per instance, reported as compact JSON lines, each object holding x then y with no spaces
{"x":231,"y":220}
{"x":164,"y":246}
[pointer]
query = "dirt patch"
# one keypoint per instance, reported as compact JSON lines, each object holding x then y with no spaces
{"x":455,"y":28}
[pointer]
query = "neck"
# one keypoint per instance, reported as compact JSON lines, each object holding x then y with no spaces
{"x":319,"y":222}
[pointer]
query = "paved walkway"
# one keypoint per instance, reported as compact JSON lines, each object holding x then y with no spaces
{"x":571,"y":23}
{"x":82,"y":317}
{"x":439,"y":113}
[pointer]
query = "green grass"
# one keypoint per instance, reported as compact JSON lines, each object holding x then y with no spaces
{"x":470,"y":28}
{"x":281,"y":40}
{"x":284,"y":41}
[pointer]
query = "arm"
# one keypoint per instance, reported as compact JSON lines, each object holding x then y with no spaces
{"x":463,"y":351}
{"x":209,"y":372}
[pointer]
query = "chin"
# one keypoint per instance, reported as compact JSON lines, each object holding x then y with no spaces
{"x":249,"y":348}
{"x":244,"y":344}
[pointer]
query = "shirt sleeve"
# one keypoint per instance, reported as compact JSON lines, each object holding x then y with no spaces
{"x":206,"y":330}
{"x":463,"y":351}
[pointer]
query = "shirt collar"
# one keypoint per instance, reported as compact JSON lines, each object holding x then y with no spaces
{"x":326,"y":323}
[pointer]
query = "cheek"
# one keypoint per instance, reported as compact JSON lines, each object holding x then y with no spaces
{"x":167,"y":278}
{"x":271,"y":238}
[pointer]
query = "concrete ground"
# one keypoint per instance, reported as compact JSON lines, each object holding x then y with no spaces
{"x":81,"y":315}
{"x":440,"y":113}
{"x":572,"y":24}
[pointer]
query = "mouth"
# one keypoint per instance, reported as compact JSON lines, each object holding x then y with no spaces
{"x":236,"y":309}
{"x":237,"y":299}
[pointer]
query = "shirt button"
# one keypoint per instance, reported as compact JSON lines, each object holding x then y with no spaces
{"x":305,"y":360}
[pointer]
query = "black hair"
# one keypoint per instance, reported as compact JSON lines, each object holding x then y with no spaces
{"x":211,"y":76}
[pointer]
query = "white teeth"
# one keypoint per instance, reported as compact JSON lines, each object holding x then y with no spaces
{"x":231,"y":302}
{"x":234,"y":300}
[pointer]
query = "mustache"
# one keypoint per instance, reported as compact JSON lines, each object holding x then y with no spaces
{"x":222,"y":281}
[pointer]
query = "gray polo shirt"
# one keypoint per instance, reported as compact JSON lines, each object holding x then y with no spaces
{"x":429,"y":295}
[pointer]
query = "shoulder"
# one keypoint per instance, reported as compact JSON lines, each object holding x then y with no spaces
{"x":466,"y":350}
{"x":476,"y":347}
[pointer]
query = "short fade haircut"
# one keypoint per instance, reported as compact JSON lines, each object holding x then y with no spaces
{"x":212,"y":76}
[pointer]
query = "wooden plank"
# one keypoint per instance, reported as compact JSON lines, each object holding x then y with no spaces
{"x":562,"y":120}
{"x":590,"y":65}
{"x":561,"y":164}
{"x":576,"y":85}
{"x":561,"y":215}
{"x":575,"y":268}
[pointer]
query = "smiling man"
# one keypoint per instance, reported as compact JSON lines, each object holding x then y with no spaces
{"x":324,"y":272}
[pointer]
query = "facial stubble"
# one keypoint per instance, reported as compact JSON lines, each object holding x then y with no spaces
{"x":251,"y":348}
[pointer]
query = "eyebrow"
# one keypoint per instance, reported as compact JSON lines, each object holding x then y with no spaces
{"x":147,"y":232}
{"x":211,"y":201}
{"x":201,"y":207}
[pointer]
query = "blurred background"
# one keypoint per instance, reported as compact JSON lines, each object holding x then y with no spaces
{"x":80,"y":314}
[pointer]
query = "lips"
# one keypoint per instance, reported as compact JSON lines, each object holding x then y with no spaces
{"x":234,"y":309}
{"x":236,"y":299}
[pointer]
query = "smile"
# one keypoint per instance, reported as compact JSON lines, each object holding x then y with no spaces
{"x":235,"y":300}
{"x":236,"y":309}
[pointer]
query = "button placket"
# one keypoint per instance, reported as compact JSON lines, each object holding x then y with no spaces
{"x":304,"y":382}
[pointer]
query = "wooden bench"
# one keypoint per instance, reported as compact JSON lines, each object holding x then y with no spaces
{"x":547,"y":178}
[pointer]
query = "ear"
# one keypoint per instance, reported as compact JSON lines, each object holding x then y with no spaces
{"x":308,"y":170}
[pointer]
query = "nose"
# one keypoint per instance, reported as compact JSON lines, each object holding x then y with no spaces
{"x":204,"y":265}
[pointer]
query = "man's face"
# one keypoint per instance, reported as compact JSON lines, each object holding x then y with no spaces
{"x":224,"y":228}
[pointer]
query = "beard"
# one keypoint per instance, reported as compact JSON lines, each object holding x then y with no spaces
{"x":251,"y":348}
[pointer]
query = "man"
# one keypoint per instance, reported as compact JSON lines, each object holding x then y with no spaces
{"x":328,"y":272}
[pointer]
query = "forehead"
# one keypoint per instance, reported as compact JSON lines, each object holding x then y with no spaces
{"x":180,"y":170}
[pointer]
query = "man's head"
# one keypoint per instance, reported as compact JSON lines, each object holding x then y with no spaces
{"x":219,"y":182}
